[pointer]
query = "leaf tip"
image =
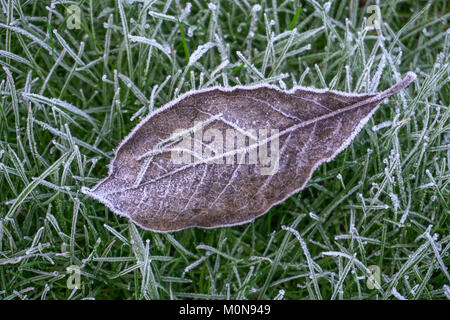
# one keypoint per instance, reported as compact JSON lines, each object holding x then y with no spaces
{"x":406,"y":81}
{"x":410,"y":77}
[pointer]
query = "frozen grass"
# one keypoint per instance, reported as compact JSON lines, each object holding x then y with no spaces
{"x":68,"y":97}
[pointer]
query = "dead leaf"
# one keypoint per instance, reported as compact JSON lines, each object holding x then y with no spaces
{"x":225,"y":156}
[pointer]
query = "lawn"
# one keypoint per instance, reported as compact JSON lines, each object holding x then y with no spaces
{"x":77,"y":76}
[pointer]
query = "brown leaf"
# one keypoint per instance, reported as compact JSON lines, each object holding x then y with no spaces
{"x":181,"y":166}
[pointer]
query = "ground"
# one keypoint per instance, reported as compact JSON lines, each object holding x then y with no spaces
{"x":76,"y":77}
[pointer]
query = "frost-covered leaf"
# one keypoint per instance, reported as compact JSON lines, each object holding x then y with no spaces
{"x":220,"y":157}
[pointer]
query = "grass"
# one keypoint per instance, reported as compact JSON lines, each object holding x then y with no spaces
{"x":68,"y":97}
